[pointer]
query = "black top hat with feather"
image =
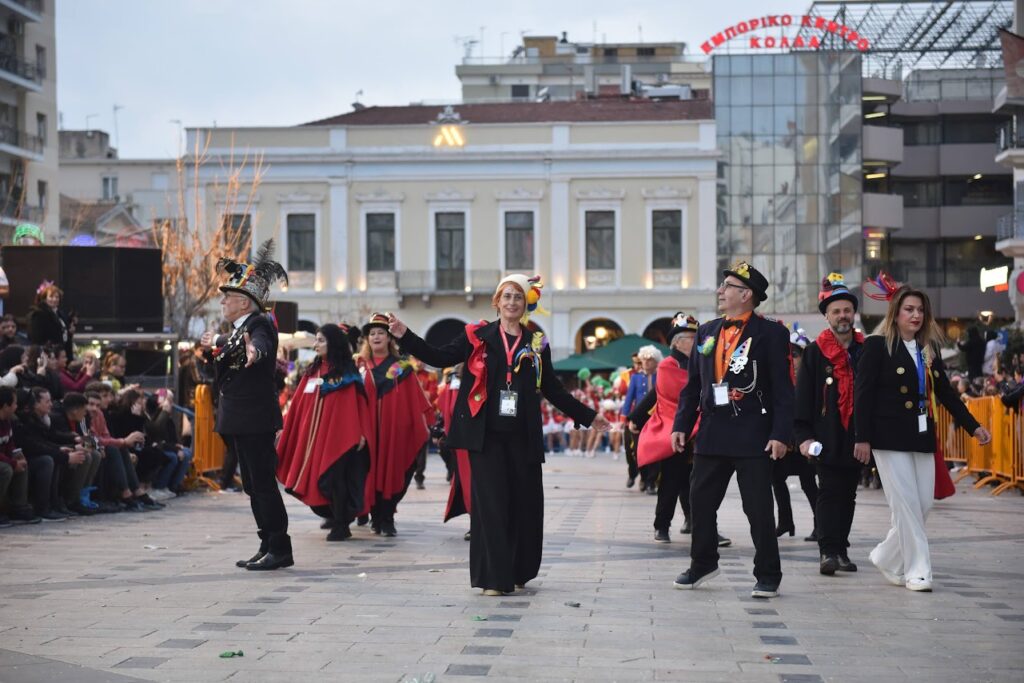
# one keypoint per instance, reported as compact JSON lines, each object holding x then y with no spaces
{"x":253,"y":279}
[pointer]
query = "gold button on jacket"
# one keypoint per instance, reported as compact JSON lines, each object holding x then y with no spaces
{"x":900,"y":371}
{"x":908,"y":405}
{"x":903,"y":390}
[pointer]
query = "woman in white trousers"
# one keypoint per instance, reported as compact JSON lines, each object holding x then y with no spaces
{"x":899,"y":382}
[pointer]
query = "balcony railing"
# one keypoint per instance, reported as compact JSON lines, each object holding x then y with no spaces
{"x":447,"y":281}
{"x":35,"y":6}
{"x":1010,"y":227}
{"x":13,"y":64}
{"x":9,"y":135}
{"x":1010,"y":136}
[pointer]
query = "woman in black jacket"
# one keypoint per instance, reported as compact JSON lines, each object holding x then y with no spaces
{"x":899,"y":383}
{"x":47,"y":324}
{"x":497,"y":418}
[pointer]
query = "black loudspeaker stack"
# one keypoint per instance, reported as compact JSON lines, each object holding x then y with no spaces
{"x":287,"y":314}
{"x":109,"y":289}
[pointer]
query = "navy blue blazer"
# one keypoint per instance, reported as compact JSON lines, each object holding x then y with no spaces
{"x":764,"y":411}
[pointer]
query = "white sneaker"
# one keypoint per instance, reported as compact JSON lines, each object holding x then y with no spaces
{"x":160,"y":494}
{"x":894,"y":579}
{"x":919,"y":584}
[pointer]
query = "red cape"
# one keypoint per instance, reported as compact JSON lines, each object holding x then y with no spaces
{"x":655,"y":443}
{"x":400,"y":420}
{"x":459,"y":498}
{"x":318,"y":430}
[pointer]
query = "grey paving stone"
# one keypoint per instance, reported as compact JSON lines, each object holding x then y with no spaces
{"x":269,"y":599}
{"x":519,"y":604}
{"x":181,"y":643}
{"x":214,"y":626}
{"x":993,"y":605}
{"x":973,"y":594}
{"x":290,"y":589}
{"x":800,"y":678}
{"x":482,"y":650}
{"x":759,"y":611}
{"x":468,"y":669}
{"x":493,"y":633}
{"x":504,"y":617}
{"x":790,"y":659}
{"x":243,"y":612}
{"x":1011,"y":617}
{"x":140,"y":663}
{"x":769,"y":624}
{"x":779,"y":640}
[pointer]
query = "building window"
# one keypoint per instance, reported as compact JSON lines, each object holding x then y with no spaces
{"x":519,"y":240}
{"x":238,"y":230}
{"x":944,"y":263}
{"x":41,"y":61}
{"x":380,"y":242}
{"x":969,"y":130}
{"x":41,"y":127}
{"x":645,"y":52}
{"x":918,"y":193}
{"x":600,"y":240}
{"x":921,"y":133}
{"x":450,"y":259}
{"x":110,"y":188}
{"x":667,"y":238}
{"x":301,"y":242}
{"x":520,"y":91}
{"x":972,"y":191}
{"x":41,"y":189}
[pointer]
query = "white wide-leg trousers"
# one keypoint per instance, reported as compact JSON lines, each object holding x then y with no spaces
{"x":908,"y":480}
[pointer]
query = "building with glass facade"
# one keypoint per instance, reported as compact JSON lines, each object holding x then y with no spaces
{"x":789,"y":177}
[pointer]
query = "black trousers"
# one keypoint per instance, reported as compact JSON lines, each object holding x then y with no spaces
{"x":258,"y":461}
{"x":118,"y":473}
{"x":674,"y":486}
{"x":383,"y":509}
{"x":648,"y":474}
{"x":507,"y":524}
{"x":421,"y":464}
{"x":344,"y":484}
{"x":837,"y":498}
{"x":229,"y":466}
{"x":793,"y":464}
{"x":711,"y":474}
{"x":40,"y":479}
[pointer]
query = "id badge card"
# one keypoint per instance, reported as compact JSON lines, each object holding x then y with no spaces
{"x":455,"y":384}
{"x":312,"y":386}
{"x":508,"y":403}
{"x":721,"y":393}
{"x":922,"y":422}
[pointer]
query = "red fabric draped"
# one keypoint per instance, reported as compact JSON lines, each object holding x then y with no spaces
{"x":317,"y":431}
{"x":459,"y":494}
{"x":839,"y":357}
{"x":655,"y":443}
{"x":400,"y":422}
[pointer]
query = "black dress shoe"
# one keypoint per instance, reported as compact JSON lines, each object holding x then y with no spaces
{"x":687,"y":528}
{"x":784,"y":529}
{"x":630,"y":482}
{"x":466,"y":536}
{"x":828,"y":565}
{"x":689,"y":579}
{"x":327,"y":523}
{"x":845,"y":565}
{"x":388,"y":529}
{"x":271,"y":561}
{"x":813,"y":538}
{"x":724,"y":542}
{"x":242,"y":564}
{"x":339,"y":533}
{"x":765,"y":590}
{"x":661,"y":536}
{"x":362,"y":520}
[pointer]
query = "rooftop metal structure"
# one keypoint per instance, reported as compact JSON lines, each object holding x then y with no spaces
{"x":919,"y":35}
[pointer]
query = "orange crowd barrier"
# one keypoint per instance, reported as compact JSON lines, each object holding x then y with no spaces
{"x":208,"y":446}
{"x":1001,"y":461}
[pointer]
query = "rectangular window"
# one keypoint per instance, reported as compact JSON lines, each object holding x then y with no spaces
{"x":238,"y":231}
{"x":41,"y":61}
{"x":645,"y":52}
{"x":918,"y":193}
{"x":921,"y":133}
{"x":380,"y":242}
{"x":110,"y":188}
{"x":519,"y":240}
{"x":600,"y":240}
{"x":450,"y":259}
{"x":969,"y":130}
{"x":41,"y":189}
{"x":41,"y":127}
{"x":667,"y":238}
{"x":520,"y":91}
{"x":301,"y":242}
{"x":971,"y":191}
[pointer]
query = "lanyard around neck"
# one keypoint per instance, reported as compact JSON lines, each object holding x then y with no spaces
{"x":921,"y":378}
{"x":722,"y":357}
{"x":508,"y":355}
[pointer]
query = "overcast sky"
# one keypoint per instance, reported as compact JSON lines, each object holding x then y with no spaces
{"x":284,"y":62}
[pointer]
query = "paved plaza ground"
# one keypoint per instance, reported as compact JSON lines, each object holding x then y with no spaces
{"x":155,"y":597}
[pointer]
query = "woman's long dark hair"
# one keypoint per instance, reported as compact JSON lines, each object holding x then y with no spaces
{"x":10,"y":357}
{"x":339,"y":352}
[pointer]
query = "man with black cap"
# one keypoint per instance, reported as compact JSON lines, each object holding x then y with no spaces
{"x":248,"y":414}
{"x":739,"y":383}
{"x":822,"y":420}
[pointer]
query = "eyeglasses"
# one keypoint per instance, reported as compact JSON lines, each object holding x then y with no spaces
{"x":726,"y":284}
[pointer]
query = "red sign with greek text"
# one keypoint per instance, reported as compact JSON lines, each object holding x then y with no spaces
{"x":784,"y":41}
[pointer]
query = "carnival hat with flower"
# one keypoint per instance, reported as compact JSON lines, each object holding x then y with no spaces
{"x":833,"y":288}
{"x":798,"y":336}
{"x":28,"y":231}
{"x":681,"y":322}
{"x":376,"y":320}
{"x":531,"y":287}
{"x":751,"y":277}
{"x":253,"y":279}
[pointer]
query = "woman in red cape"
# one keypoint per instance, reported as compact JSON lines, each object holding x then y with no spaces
{"x":459,"y":496}
{"x":322,"y":453}
{"x":400,"y":417}
{"x":655,"y":413}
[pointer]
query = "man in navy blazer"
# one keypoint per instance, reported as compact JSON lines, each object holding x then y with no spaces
{"x":741,"y":389}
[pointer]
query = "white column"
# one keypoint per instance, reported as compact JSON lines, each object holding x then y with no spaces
{"x":707,"y":263}
{"x":340,"y":266}
{"x":561,"y":334}
{"x":560,"y":277}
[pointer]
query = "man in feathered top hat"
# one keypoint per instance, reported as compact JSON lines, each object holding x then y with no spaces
{"x":822,"y":414}
{"x":248,"y":414}
{"x":740,"y":385}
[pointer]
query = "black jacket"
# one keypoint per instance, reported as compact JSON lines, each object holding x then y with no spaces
{"x":246,"y":397}
{"x":37,"y":438}
{"x":886,"y":399}
{"x":743,"y":427}
{"x":161,"y":431}
{"x":816,"y":411}
{"x":45,"y":327}
{"x":468,"y":431}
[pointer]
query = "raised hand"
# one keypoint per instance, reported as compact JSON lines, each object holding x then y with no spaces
{"x":396,"y":327}
{"x":251,"y":353}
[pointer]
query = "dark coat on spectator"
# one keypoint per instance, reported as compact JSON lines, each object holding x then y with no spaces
{"x":48,"y":327}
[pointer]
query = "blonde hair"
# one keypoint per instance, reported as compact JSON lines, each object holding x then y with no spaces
{"x":364,"y":352}
{"x":930,"y":333}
